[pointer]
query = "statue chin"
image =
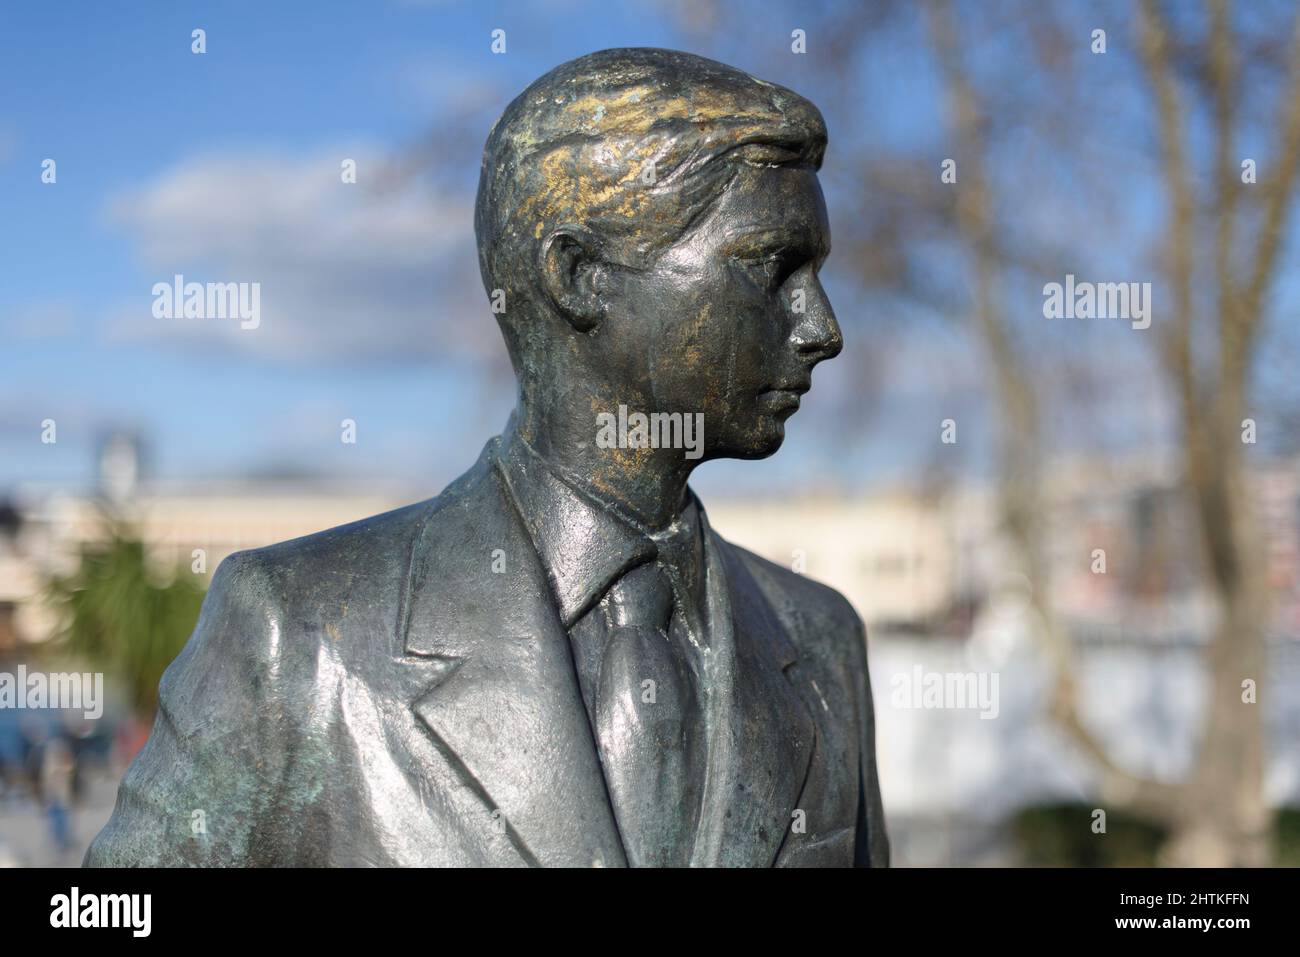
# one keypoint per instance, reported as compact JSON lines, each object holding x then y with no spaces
{"x":762,"y":441}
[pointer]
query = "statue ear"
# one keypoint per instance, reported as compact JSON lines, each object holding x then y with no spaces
{"x":571,"y":267}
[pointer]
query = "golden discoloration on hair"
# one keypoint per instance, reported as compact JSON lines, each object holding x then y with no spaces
{"x":577,"y":149}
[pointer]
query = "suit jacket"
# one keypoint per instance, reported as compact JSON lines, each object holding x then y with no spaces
{"x":397,"y":692}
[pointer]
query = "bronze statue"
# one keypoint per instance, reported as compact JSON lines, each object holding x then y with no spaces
{"x":557,"y":661}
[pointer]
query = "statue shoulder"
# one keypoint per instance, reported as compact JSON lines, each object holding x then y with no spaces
{"x":817,"y":616}
{"x":362,"y":559}
{"x":286,"y":568}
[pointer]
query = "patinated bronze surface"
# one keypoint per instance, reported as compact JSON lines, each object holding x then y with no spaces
{"x":556,"y":661}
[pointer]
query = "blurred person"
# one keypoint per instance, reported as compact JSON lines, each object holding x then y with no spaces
{"x":57,"y":789}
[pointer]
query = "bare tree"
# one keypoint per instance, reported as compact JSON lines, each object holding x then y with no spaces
{"x":1220,"y":815}
{"x":1217,"y":814}
{"x":1021,"y":460}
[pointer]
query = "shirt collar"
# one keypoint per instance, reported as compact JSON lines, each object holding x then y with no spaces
{"x":584,"y":544}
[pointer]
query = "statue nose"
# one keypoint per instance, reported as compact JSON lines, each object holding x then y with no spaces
{"x":817,"y":334}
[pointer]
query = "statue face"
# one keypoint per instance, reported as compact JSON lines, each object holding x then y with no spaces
{"x":731,"y":319}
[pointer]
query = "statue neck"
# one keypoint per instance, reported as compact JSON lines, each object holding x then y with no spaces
{"x":648,"y":485}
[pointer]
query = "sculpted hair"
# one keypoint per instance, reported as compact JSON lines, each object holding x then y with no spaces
{"x":634,"y":145}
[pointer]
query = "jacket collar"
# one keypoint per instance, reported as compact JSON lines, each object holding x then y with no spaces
{"x":584,"y":544}
{"x":491,"y":677}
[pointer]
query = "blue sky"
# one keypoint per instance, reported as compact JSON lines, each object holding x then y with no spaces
{"x":224,"y":166}
{"x":172,"y":162}
{"x":121,"y":103}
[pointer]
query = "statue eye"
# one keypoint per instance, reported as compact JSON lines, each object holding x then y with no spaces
{"x":770,"y":270}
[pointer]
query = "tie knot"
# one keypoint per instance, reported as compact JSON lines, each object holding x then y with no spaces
{"x":642,"y":597}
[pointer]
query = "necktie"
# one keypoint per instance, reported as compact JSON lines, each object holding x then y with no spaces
{"x":641,"y":720}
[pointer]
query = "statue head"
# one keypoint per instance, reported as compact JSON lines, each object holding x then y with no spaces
{"x":652,"y":224}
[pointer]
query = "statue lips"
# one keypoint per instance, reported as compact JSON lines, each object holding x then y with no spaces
{"x":785,"y":396}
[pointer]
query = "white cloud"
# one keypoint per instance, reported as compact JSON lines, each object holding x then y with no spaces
{"x":381,"y":270}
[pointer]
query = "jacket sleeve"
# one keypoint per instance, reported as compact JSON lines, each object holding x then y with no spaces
{"x":199,"y":790}
{"x":871,"y":848}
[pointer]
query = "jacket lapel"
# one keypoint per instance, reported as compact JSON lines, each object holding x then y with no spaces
{"x":502,"y":702}
{"x":500,"y":698}
{"x":763,"y":744}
